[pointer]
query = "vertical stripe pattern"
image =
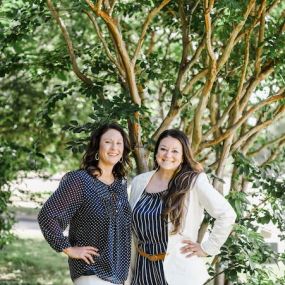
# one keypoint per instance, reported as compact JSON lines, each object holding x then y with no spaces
{"x":152,"y":235}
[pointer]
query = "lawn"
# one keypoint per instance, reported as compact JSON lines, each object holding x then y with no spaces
{"x":32,"y":262}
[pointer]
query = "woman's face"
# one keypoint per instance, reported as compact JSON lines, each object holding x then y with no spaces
{"x":111,"y":147}
{"x":169,"y":154}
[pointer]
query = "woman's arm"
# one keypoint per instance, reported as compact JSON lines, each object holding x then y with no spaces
{"x":220,"y":209}
{"x":58,"y":210}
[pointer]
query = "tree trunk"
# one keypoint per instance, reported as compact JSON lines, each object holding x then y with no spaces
{"x":220,"y":279}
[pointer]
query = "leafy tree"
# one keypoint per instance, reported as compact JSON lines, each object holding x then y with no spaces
{"x":211,"y":68}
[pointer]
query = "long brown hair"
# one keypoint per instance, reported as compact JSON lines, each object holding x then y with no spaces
{"x":181,"y":181}
{"x":89,"y":162}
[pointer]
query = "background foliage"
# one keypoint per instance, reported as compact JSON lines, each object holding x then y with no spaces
{"x":211,"y":68}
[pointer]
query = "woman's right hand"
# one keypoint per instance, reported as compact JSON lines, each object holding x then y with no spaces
{"x":85,"y":253}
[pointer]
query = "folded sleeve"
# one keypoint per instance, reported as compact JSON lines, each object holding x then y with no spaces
{"x":220,"y":209}
{"x":59,"y":209}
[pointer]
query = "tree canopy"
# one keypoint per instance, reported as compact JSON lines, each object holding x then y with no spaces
{"x":214,"y":69}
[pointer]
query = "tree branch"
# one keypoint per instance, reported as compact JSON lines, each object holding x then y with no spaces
{"x":185,"y":43}
{"x":146,"y":24}
{"x":69,"y":44}
{"x":134,"y":126}
{"x":176,"y":102}
{"x":275,"y":152}
{"x":255,"y":129}
{"x":127,"y":64}
{"x":242,"y":120}
{"x":190,"y":63}
{"x":242,"y":78}
{"x":231,"y":42}
{"x":260,"y":37}
{"x":212,"y":73}
{"x":250,"y":86}
{"x":105,"y":45}
{"x":99,"y":5}
{"x":272,"y":6}
{"x":256,"y":21}
{"x":195,"y":79}
{"x":208,"y":26}
{"x":266,"y":71}
{"x":112,"y":5}
{"x":272,"y":142}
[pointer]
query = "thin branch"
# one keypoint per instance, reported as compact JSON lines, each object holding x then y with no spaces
{"x":275,"y":152}
{"x":176,"y":102}
{"x":99,"y":5}
{"x":69,"y":44}
{"x":272,"y":142}
{"x":243,"y":76}
{"x":272,"y":6}
{"x":266,"y":71}
{"x":185,"y":43}
{"x":250,"y":86}
{"x":256,"y":129}
{"x":120,"y":45}
{"x":146,"y":24}
{"x":112,"y":6}
{"x":105,"y":45}
{"x":187,"y":64}
{"x":107,"y":5}
{"x":171,"y":115}
{"x":231,"y":42}
{"x":282,"y":27}
{"x":212,"y":73}
{"x":193,"y":60}
{"x":234,"y":102}
{"x":134,"y":126}
{"x":208,"y":26}
{"x":260,"y":37}
{"x":249,"y":142}
{"x":256,"y":22}
{"x":236,"y":113}
{"x":254,"y":108}
{"x":255,"y":208}
{"x":245,"y":128}
{"x":194,"y":79}
{"x":151,"y":44}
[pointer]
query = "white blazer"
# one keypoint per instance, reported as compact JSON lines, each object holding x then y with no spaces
{"x":178,"y":269}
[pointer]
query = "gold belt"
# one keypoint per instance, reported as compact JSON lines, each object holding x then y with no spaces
{"x":151,"y":257}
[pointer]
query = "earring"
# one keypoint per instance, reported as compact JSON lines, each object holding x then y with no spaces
{"x":96,"y":156}
{"x":121,"y":160}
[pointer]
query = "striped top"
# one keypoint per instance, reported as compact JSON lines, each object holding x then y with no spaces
{"x":99,"y":215}
{"x":152,"y":234}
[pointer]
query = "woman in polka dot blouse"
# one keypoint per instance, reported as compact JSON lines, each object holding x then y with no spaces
{"x":93,"y":202}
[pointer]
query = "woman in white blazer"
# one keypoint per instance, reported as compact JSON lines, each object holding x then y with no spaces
{"x":168,"y":208}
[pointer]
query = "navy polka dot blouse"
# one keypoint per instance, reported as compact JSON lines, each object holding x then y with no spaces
{"x":98,"y":215}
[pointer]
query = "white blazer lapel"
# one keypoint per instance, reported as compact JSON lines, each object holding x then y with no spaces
{"x":138,"y":185}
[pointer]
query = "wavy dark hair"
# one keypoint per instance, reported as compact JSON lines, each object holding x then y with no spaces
{"x":181,"y":181}
{"x":89,"y":162}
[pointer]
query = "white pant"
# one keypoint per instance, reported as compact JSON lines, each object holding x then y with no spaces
{"x":91,"y":280}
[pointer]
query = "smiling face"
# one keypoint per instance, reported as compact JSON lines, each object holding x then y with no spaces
{"x":111,"y":148}
{"x":169,"y":154}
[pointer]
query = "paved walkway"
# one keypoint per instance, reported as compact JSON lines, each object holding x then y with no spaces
{"x":26,"y":226}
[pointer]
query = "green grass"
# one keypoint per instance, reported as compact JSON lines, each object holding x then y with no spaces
{"x":32,"y":262}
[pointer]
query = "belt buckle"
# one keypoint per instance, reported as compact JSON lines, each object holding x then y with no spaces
{"x":154,"y":257}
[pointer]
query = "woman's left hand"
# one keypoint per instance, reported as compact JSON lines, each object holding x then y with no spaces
{"x":193,"y":248}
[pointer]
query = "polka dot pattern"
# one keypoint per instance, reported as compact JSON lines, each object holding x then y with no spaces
{"x":98,"y":215}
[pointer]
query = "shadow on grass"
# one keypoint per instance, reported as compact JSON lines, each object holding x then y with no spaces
{"x":32,"y":262}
